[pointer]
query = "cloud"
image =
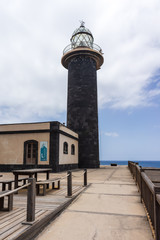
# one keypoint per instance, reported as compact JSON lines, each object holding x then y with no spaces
{"x":33,"y":82}
{"x":34,"y":33}
{"x":111,"y":134}
{"x":132,"y":53}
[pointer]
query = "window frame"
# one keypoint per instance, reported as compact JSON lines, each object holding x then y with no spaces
{"x":65,"y":148}
{"x":72,"y":149}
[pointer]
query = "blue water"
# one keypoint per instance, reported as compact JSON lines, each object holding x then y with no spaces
{"x":155,"y":164}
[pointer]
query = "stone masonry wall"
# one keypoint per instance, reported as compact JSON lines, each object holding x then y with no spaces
{"x":82,"y":112}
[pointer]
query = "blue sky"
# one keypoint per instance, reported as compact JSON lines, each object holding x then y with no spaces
{"x":130,"y":135}
{"x":33,"y":35}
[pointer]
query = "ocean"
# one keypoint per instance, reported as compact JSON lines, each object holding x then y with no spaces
{"x":155,"y":164}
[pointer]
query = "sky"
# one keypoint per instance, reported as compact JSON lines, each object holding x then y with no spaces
{"x":33,"y":83}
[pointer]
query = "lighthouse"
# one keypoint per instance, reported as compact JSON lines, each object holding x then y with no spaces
{"x":83,"y":58}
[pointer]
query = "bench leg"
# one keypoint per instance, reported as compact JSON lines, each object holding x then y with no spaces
{"x":3,"y":186}
{"x":35,"y":176}
{"x":10,"y":202}
{"x":58,"y":185}
{"x":10,"y":186}
{"x":16,"y":183}
{"x":44,"y":189}
{"x":47,"y":177}
{"x":37,"y":190}
{"x":1,"y":203}
{"x":24,"y":181}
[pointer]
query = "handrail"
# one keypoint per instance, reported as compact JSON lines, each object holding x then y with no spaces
{"x":69,"y":181}
{"x":71,"y":47}
{"x":150,"y":168}
{"x":32,"y":192}
{"x":72,"y":175}
{"x":138,"y":167}
{"x":78,"y":175}
{"x":148,"y":182}
{"x":77,"y":170}
{"x":151,"y":198}
{"x":14,"y":191}
{"x":64,"y":177}
{"x":30,"y":198}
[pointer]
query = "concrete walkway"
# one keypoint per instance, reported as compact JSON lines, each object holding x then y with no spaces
{"x":109,"y":209}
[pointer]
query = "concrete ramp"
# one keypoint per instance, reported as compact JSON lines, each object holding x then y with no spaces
{"x":109,"y":209}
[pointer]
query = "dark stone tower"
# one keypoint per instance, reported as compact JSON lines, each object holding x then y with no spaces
{"x":83,"y":58}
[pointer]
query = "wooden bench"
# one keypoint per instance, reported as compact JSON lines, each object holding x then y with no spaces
{"x":44,"y":185}
{"x":10,"y":201}
{"x":9,"y":183}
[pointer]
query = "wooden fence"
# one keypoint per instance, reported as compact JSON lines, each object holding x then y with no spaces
{"x":31,"y":194}
{"x":150,"y":195}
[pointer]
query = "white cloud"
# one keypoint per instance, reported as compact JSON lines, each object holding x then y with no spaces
{"x":34,"y":33}
{"x":112,"y":134}
{"x":132,"y":53}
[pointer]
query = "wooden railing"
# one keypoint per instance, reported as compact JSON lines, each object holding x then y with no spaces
{"x":31,"y":186}
{"x":150,"y":195}
{"x":69,"y":181}
{"x":31,"y":193}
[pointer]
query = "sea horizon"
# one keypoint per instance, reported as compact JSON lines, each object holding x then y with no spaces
{"x":143,"y":163}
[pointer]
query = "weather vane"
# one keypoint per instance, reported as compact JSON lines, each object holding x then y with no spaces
{"x":82,"y":23}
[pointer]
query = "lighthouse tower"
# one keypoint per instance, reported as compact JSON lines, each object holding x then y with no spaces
{"x":83,"y":58}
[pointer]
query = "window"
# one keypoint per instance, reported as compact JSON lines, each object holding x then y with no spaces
{"x":30,"y":152}
{"x":65,"y":148}
{"x":72,"y":149}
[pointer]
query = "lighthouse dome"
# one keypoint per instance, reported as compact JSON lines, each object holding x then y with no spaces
{"x":82,"y":37}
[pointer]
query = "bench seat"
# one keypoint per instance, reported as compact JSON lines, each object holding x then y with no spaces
{"x":9,"y":183}
{"x":44,"y":185}
{"x":10,"y":201}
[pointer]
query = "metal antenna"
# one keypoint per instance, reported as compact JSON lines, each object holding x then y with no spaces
{"x":82,"y":23}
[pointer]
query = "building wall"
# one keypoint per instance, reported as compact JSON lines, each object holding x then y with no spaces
{"x":82,"y":110}
{"x":12,"y":146}
{"x":67,"y":130}
{"x":24,"y":126}
{"x":67,"y":158}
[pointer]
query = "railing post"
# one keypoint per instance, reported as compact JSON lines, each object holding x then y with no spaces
{"x":141,"y":189}
{"x":156,"y":191}
{"x":85,"y":177}
{"x":31,"y":200}
{"x":136,"y":172}
{"x":69,"y":184}
{"x":155,"y":215}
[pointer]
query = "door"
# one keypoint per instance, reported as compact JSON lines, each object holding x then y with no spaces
{"x":31,"y":149}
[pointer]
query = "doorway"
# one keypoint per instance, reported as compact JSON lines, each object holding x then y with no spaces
{"x":30,"y":152}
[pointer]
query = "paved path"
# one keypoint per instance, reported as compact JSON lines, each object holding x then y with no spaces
{"x":109,"y":209}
